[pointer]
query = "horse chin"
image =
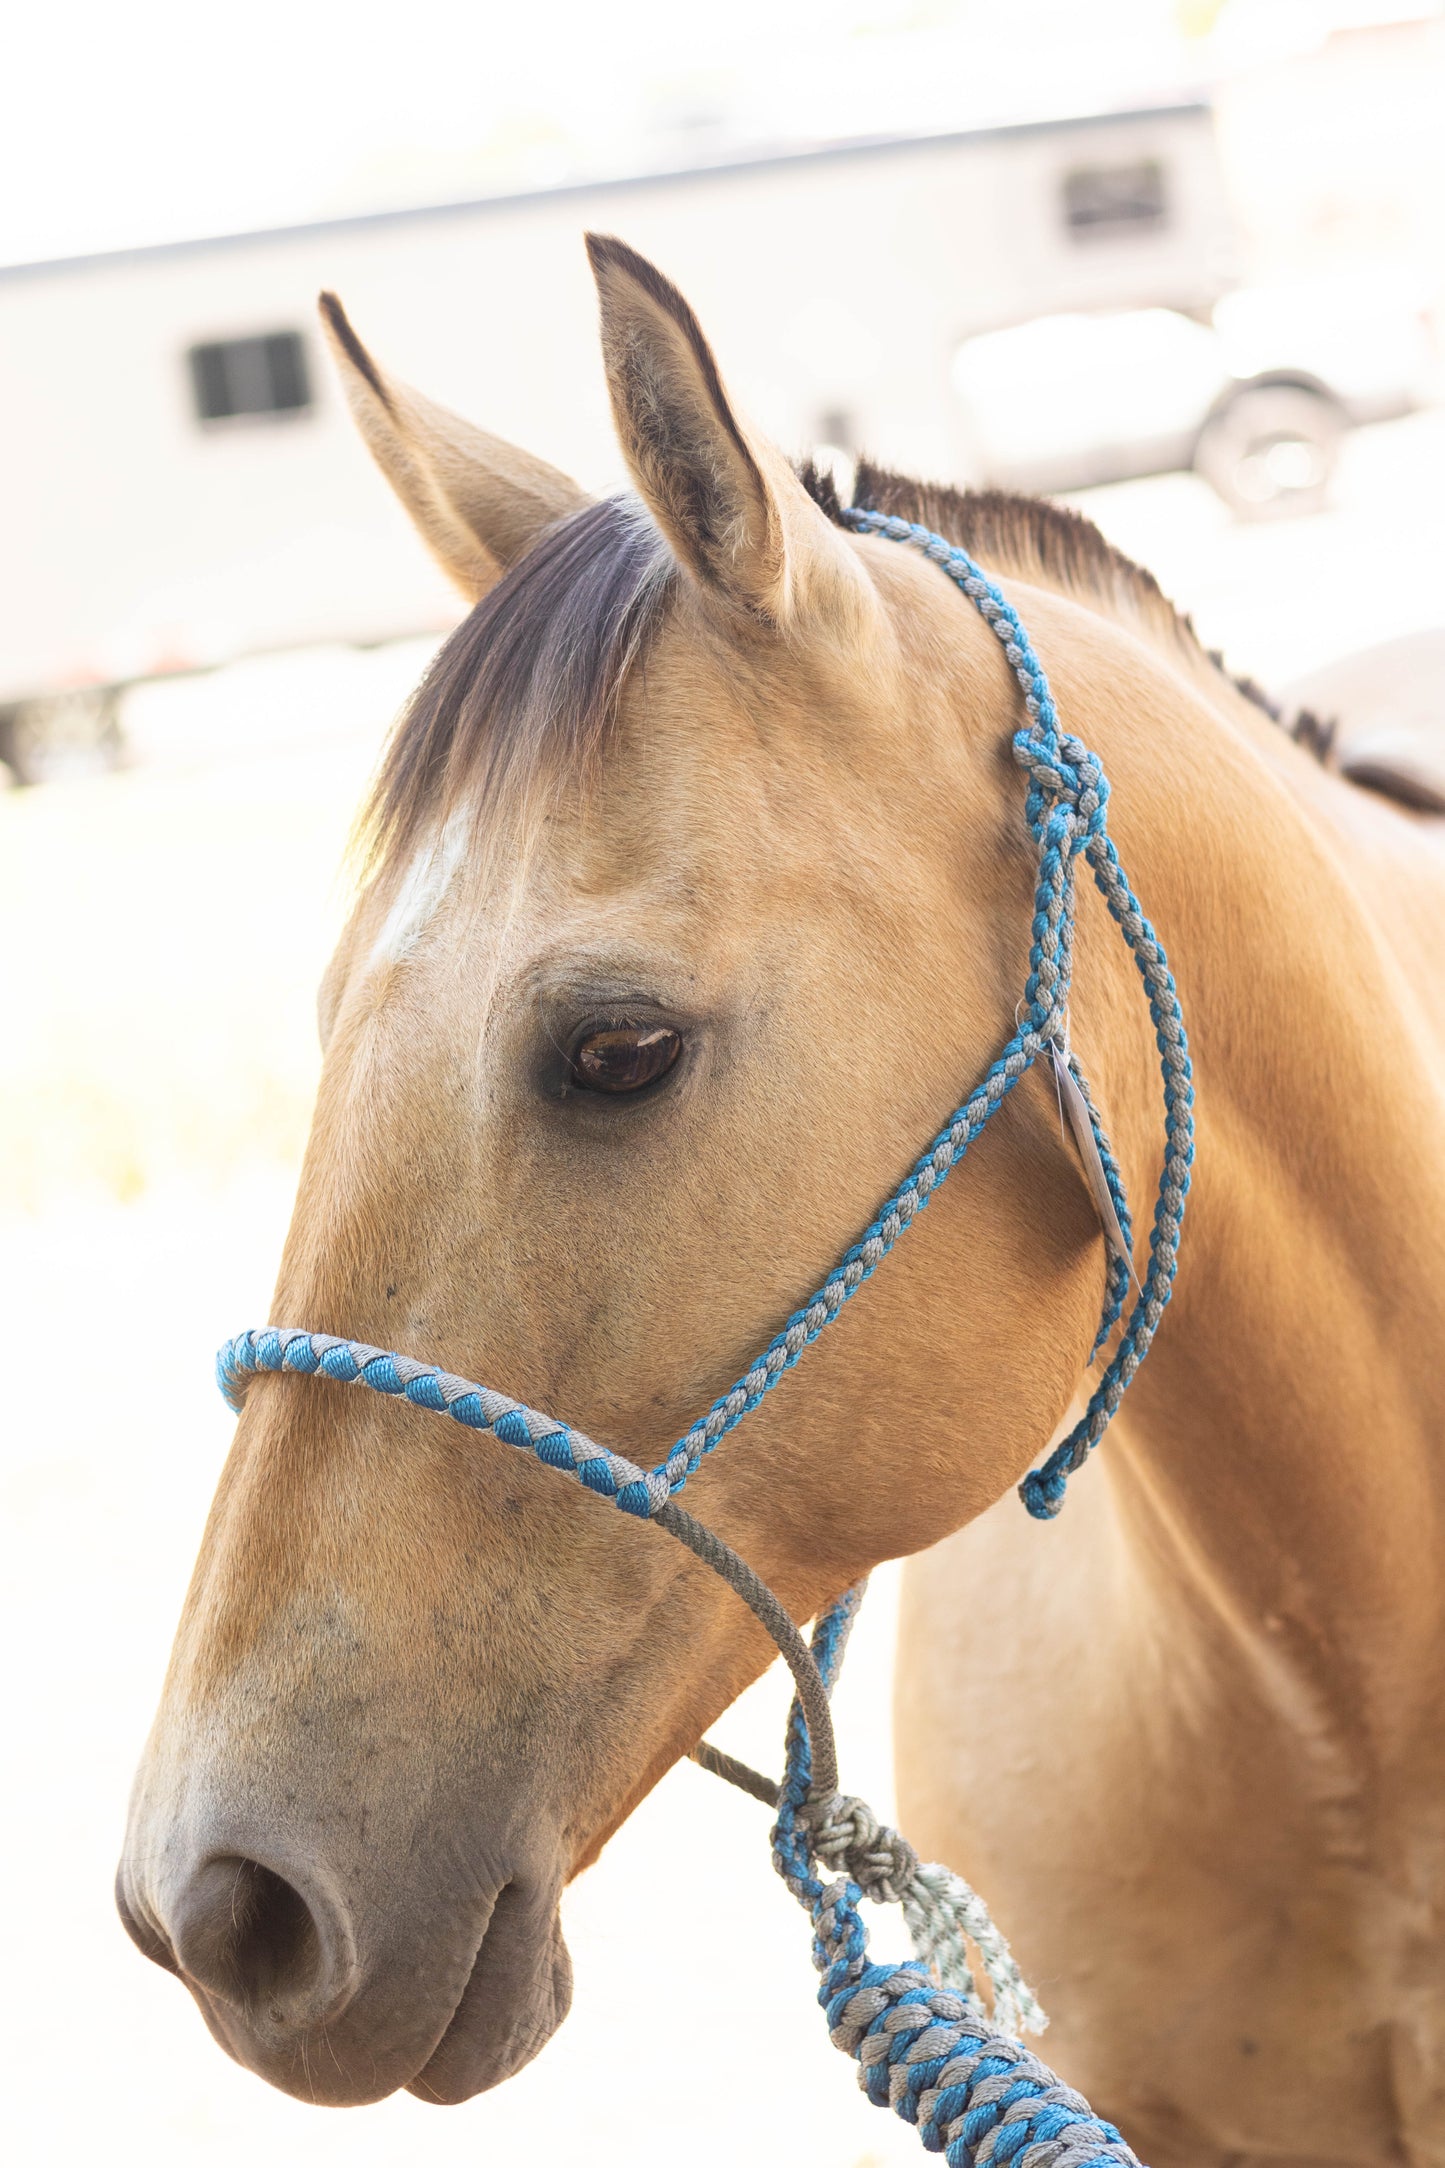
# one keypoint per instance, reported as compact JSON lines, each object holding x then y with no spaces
{"x":500,"y":2022}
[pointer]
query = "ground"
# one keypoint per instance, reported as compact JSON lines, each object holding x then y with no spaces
{"x":166,"y":927}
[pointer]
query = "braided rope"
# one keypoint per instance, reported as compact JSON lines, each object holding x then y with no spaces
{"x":1065,"y":809}
{"x":475,"y":1407}
{"x":924,"y":2042}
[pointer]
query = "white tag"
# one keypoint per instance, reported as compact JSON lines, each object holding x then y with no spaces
{"x":1076,"y":1107}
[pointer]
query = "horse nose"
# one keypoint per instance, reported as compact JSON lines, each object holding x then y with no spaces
{"x":279,"y":1953}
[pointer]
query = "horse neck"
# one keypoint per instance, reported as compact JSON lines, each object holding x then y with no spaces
{"x":1281,"y":1456}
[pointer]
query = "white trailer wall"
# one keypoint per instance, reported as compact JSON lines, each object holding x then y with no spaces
{"x":835,"y":284}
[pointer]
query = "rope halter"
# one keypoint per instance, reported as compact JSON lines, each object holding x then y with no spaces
{"x":925,"y":2043}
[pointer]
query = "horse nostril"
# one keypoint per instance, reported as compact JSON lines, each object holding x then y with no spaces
{"x":275,"y":1946}
{"x":249,"y":1937}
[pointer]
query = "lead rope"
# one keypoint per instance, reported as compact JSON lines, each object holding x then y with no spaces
{"x":924,"y":2043}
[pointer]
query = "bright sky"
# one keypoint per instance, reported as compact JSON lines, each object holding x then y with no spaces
{"x":140,"y":120}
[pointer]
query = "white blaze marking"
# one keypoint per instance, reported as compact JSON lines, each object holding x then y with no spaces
{"x":423,"y":887}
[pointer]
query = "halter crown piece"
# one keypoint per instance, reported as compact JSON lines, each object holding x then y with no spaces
{"x":926,"y":2043}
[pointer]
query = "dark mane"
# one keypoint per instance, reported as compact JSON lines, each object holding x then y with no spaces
{"x":528,"y":684}
{"x":1059,"y":548}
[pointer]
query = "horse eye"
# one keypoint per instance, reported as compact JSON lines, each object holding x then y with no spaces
{"x":625,"y":1058}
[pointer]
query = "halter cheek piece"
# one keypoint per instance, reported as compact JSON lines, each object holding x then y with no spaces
{"x":925,"y":2041}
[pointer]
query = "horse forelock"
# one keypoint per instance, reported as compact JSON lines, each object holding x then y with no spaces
{"x":527,"y":687}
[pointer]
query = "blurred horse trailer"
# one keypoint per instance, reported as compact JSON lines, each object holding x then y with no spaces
{"x":180,"y":487}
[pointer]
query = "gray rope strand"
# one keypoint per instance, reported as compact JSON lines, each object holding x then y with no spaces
{"x":944,"y":1913}
{"x":844,"y":1833}
{"x":765,"y":1607}
{"x":732,"y":1771}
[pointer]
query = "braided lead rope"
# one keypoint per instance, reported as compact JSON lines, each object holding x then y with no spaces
{"x":942,"y":1912}
{"x":925,"y":2047}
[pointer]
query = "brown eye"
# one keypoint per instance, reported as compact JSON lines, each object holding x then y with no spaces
{"x":625,"y":1058}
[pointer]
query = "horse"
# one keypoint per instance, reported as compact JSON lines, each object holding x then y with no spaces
{"x":695,"y":891}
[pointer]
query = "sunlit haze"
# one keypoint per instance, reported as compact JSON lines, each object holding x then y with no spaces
{"x":161,"y":120}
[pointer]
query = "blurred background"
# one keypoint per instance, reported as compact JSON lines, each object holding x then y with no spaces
{"x":1183,"y":260}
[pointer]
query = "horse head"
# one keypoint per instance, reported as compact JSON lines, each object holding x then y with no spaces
{"x":697,"y":893}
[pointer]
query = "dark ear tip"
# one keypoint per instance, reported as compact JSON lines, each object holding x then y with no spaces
{"x":604,"y":250}
{"x":338,"y":323}
{"x":607,"y":254}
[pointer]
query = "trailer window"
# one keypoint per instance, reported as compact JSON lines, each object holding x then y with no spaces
{"x":266,"y":375}
{"x":1104,"y":200}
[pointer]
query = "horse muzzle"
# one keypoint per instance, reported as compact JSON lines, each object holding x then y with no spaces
{"x":447,"y":1986}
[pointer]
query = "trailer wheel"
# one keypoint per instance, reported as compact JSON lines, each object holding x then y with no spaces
{"x":64,"y":735}
{"x":1270,"y":451}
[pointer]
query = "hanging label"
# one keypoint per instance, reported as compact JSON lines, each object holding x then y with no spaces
{"x":1076,"y":1108}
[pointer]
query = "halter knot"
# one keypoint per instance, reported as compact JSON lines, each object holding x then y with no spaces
{"x":1043,"y":1491}
{"x":1064,"y":774}
{"x":848,"y":1838}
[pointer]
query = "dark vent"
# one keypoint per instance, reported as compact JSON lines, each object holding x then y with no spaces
{"x":266,"y":375}
{"x":1104,"y":200}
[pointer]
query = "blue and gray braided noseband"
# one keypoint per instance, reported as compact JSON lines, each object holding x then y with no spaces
{"x":924,"y":2042}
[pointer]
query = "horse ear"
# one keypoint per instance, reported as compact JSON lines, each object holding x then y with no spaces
{"x":477,"y":502}
{"x":730,"y":505}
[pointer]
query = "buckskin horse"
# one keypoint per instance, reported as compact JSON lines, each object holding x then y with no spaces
{"x":697,"y":890}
